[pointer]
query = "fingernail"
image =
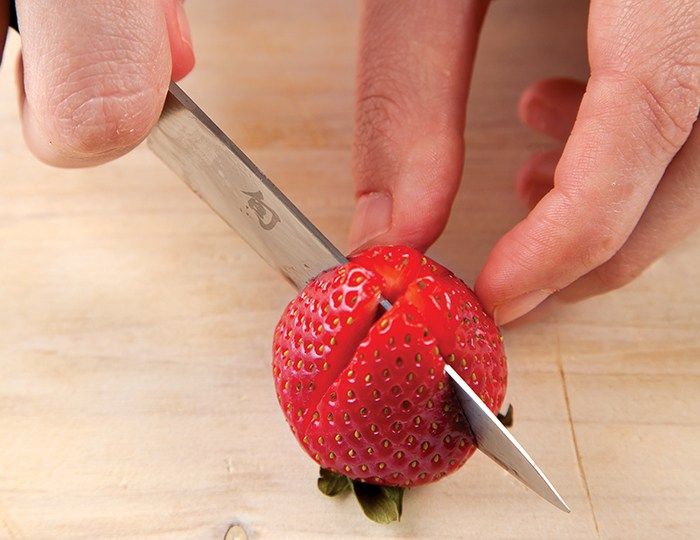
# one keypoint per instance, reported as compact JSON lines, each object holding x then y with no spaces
{"x":519,"y":306}
{"x":183,"y":24}
{"x":372,"y":218}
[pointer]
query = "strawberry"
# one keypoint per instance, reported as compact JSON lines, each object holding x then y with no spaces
{"x":364,"y":391}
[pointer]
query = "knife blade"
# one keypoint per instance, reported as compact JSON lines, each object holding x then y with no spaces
{"x":494,"y":440}
{"x":196,"y":149}
{"x":219,"y":172}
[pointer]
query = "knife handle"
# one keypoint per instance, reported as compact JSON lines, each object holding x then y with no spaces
{"x":13,"y":16}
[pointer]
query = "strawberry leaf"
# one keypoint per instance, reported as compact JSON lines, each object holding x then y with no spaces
{"x":507,"y":417}
{"x":396,"y":494}
{"x":382,"y":504}
{"x":331,"y":483}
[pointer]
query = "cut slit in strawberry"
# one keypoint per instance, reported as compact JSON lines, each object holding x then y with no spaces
{"x":392,"y":408}
{"x":320,"y":334}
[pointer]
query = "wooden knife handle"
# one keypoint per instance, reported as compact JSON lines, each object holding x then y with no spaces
{"x":13,"y":16}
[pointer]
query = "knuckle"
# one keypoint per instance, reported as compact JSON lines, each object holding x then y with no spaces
{"x":378,"y":118}
{"x":618,"y":272}
{"x":391,"y":121}
{"x":670,"y":103}
{"x":593,"y":244}
{"x":376,"y":122}
{"x":654,"y":74}
{"x":382,"y":106}
{"x":660,"y":110}
{"x":586,"y":243}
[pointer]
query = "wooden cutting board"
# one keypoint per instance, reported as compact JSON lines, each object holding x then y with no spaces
{"x":136,"y":399}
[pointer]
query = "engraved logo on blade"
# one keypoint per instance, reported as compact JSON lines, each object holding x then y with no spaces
{"x":267,"y":217}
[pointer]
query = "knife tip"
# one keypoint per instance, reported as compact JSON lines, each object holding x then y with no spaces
{"x":563,"y":506}
{"x":559,"y":502}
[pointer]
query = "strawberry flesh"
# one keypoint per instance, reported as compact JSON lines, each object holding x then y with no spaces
{"x":367,"y":397}
{"x":318,"y":333}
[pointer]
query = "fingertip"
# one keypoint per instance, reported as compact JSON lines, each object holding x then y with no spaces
{"x":92,"y":86}
{"x":492,"y":283}
{"x":532,"y":260}
{"x":499,"y":290}
{"x":549,"y":106}
{"x":180,"y":38}
{"x":91,"y":126}
{"x":410,"y":201}
{"x":538,"y":114}
{"x":382,"y":219}
{"x":554,"y":89}
{"x":535,"y":105}
{"x":527,"y":104}
{"x":515,"y":308}
{"x":183,"y":63}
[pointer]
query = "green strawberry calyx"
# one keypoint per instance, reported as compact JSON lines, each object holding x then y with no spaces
{"x":382,"y":504}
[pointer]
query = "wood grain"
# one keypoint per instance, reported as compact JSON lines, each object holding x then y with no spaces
{"x":136,"y":399}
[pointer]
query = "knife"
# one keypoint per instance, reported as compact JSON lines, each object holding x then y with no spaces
{"x":196,"y":149}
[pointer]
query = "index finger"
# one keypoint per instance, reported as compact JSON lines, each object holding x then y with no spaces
{"x":414,"y":70}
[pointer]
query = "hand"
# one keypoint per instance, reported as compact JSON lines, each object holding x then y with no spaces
{"x":94,"y":73}
{"x":624,"y":188}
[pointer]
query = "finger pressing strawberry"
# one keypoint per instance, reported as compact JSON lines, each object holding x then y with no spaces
{"x":364,"y":390}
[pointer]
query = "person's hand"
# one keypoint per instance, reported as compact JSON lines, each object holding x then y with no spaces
{"x":624,"y":189}
{"x":94,"y":73}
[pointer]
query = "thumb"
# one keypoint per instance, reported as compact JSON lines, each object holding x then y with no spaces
{"x":95,"y":74}
{"x":414,"y":70}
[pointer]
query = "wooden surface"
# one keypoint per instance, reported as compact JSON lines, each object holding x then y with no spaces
{"x":136,"y":398}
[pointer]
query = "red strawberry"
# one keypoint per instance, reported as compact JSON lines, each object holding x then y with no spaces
{"x":364,"y":391}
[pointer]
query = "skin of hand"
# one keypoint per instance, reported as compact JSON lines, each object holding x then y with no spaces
{"x":93,"y":74}
{"x":623,"y":188}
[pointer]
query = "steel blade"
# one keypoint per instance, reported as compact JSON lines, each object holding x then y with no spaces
{"x":494,"y":440}
{"x":189,"y":142}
